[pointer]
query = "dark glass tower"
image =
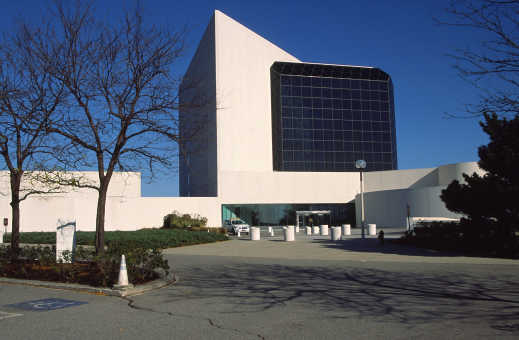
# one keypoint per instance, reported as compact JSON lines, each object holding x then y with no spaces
{"x":324,"y":117}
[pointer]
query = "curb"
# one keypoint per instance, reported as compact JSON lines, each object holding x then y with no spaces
{"x":129,"y":291}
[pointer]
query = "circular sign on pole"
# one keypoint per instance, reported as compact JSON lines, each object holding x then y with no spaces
{"x":360,"y":164}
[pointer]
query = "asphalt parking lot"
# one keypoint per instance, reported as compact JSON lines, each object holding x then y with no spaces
{"x":269,"y":289}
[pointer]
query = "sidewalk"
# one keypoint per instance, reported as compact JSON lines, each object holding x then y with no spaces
{"x":350,"y":248}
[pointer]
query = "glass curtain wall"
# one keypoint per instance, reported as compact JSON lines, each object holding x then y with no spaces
{"x":325,"y":117}
{"x":285,"y":214}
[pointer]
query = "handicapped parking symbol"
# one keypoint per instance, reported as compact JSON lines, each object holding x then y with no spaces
{"x":46,"y":304}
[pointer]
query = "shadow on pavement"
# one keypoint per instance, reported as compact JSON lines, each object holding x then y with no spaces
{"x":405,"y":297}
{"x":373,"y":245}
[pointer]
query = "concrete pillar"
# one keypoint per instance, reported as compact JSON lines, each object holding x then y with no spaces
{"x":324,"y":229}
{"x":336,"y":234}
{"x":308,"y":231}
{"x":1,"y":237}
{"x":346,"y":229}
{"x":372,"y":228}
{"x":255,"y":234}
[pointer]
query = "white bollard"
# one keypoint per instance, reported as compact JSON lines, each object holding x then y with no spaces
{"x":316,"y":230}
{"x":238,"y":233}
{"x":308,"y":231}
{"x":297,"y":229}
{"x":289,"y":234}
{"x":65,"y":240}
{"x":346,"y":229}
{"x":336,"y":233}
{"x":372,"y":229}
{"x":324,"y":229}
{"x":1,"y":237}
{"x":255,"y":234}
{"x":270,"y":230}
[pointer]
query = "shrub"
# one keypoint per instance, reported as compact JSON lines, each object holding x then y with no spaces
{"x":175,"y":220}
{"x":489,"y":201}
{"x":39,"y":263}
{"x":141,"y":261}
{"x":34,"y":238}
{"x":464,"y":236}
{"x":145,"y":238}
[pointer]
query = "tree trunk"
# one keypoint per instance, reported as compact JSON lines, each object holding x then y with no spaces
{"x":15,"y":208}
{"x":100,"y":219}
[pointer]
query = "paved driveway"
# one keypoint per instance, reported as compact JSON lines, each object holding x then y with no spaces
{"x":308,"y":289}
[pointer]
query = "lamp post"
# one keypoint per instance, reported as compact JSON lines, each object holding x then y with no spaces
{"x":361,"y":164}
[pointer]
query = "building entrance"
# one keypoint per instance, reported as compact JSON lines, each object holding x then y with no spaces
{"x":313,"y":217}
{"x":290,"y":214}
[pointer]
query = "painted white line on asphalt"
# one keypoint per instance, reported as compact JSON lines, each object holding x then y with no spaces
{"x":5,"y":315}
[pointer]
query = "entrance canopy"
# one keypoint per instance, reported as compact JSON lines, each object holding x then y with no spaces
{"x":313,"y":212}
{"x":308,"y":213}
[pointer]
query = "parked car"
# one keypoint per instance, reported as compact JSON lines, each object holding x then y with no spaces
{"x":235,"y":225}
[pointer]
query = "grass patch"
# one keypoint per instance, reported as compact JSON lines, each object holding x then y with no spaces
{"x":147,"y":238}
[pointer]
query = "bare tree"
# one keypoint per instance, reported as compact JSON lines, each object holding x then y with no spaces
{"x":122,"y":93}
{"x":28,"y":99}
{"x":493,"y":66}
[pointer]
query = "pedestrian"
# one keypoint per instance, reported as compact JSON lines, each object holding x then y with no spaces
{"x":381,"y":237}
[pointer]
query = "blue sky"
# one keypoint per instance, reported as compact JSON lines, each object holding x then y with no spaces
{"x":400,"y":37}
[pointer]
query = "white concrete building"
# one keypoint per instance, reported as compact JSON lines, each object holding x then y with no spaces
{"x":279,"y":136}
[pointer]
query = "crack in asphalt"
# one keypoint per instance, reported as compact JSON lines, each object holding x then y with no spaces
{"x":211,"y":322}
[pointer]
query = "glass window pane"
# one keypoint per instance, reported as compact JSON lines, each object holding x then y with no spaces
{"x":316,"y":82}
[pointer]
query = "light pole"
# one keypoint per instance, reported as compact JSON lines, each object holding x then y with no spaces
{"x":361,"y":164}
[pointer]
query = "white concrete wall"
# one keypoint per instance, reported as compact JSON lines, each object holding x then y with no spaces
{"x":41,"y":212}
{"x":243,"y":61}
{"x":239,"y":138}
{"x":400,"y":179}
{"x":198,"y":171}
{"x":148,"y":212}
{"x":126,"y":184}
{"x":389,"y":208}
{"x":127,"y":210}
{"x":288,"y":187}
{"x":390,"y":192}
{"x":448,"y":173}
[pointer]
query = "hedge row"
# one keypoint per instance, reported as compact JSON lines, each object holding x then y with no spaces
{"x":147,"y":238}
{"x":467,"y":237}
